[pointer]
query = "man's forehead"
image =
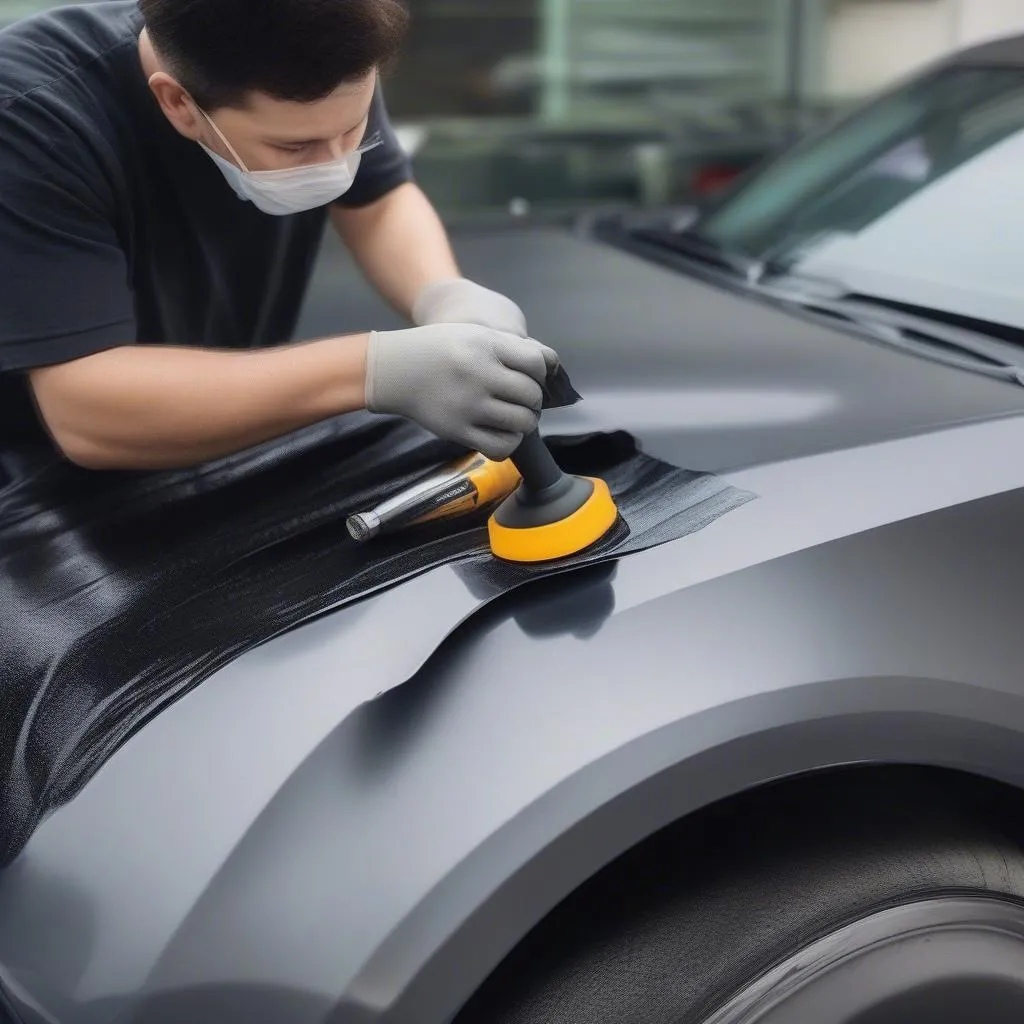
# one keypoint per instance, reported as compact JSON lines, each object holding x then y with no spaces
{"x":342,"y":110}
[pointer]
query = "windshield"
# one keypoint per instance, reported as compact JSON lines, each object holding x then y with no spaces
{"x":916,"y":199}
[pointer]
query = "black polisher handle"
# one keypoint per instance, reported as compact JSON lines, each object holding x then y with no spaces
{"x":536,"y":464}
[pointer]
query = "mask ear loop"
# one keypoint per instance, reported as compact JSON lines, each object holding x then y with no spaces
{"x":220,"y":134}
{"x":231,"y":149}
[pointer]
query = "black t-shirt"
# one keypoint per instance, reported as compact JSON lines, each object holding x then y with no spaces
{"x":114,"y":229}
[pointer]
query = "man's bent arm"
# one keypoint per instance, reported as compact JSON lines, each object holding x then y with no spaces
{"x":156,"y":407}
{"x":399,"y":243}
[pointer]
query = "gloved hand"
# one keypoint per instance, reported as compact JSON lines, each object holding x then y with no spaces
{"x":472,"y":385}
{"x":459,"y":301}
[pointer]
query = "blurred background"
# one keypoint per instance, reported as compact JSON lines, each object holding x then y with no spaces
{"x":546,"y":106}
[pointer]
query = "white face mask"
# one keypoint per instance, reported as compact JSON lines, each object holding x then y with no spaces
{"x":290,"y":189}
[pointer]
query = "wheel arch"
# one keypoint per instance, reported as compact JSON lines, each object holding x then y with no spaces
{"x":504,"y":888}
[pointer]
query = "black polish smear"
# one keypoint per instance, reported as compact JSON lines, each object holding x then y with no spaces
{"x":120,"y":592}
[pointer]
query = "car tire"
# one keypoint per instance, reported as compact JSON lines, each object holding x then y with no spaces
{"x":868,"y":898}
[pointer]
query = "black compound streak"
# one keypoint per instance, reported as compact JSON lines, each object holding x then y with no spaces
{"x":120,"y":592}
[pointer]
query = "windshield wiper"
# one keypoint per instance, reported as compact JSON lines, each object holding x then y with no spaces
{"x":918,"y":334}
{"x":692,"y":243}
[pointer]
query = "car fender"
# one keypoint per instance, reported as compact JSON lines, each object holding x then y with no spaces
{"x":259,"y":849}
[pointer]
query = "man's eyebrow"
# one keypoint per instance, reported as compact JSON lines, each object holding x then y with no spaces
{"x":281,"y":140}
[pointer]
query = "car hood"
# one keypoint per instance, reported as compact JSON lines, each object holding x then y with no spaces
{"x":705,"y":377}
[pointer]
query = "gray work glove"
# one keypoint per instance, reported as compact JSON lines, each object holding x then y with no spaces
{"x":459,"y":301}
{"x":477,"y":387}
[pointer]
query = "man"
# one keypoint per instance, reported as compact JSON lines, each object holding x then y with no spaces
{"x":166,"y":170}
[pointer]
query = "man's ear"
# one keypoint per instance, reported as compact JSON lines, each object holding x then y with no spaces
{"x":177,"y":105}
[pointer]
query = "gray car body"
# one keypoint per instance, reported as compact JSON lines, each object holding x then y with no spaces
{"x":356,"y":821}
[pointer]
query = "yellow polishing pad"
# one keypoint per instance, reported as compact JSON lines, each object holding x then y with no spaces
{"x":587,"y":525}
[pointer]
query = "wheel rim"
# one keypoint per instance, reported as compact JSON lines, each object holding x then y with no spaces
{"x":944,"y":961}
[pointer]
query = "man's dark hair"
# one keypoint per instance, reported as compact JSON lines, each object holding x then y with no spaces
{"x":300,"y":50}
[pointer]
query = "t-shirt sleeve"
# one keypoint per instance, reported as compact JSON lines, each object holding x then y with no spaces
{"x":64,"y":289}
{"x":382,"y":168}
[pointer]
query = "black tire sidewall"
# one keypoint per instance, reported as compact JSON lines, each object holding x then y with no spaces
{"x":677,"y":927}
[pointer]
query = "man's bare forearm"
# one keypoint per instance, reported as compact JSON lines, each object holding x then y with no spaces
{"x":155,"y":407}
{"x":399,"y":243}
